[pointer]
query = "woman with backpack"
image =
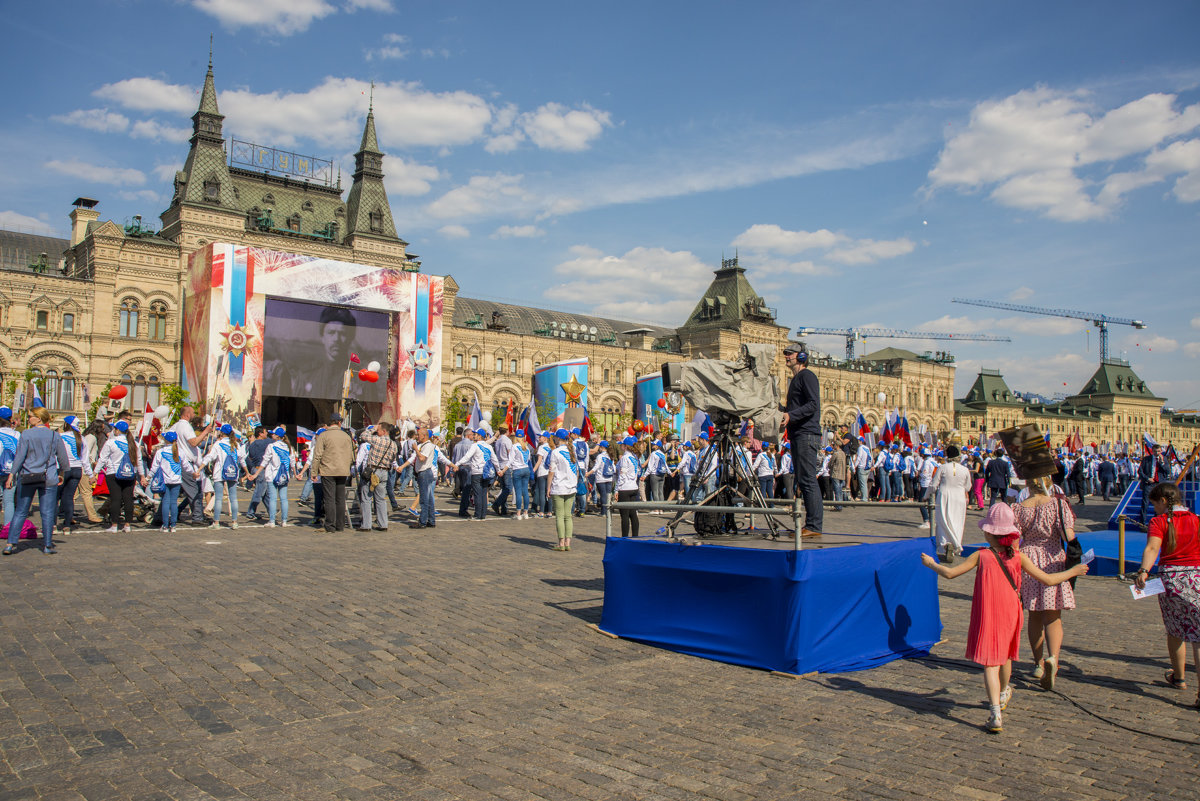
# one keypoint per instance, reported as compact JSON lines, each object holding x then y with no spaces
{"x":278,"y":465}
{"x":121,"y":463}
{"x":166,"y":472}
{"x":79,"y":462}
{"x":226,"y":466}
{"x":37,"y":469}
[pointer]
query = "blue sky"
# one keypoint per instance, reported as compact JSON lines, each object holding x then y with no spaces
{"x":867,"y":161}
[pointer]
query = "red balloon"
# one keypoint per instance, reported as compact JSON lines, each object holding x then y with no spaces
{"x":372,"y":376}
{"x":118,"y":392}
{"x":629,"y":431}
{"x":362,"y":374}
{"x":662,"y":403}
{"x":650,"y":428}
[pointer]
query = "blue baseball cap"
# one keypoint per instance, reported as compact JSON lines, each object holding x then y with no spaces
{"x":576,"y":431}
{"x":280,"y":431}
{"x":121,"y":426}
{"x":5,"y":413}
{"x":829,"y":449}
{"x":481,"y":432}
{"x":603,"y":443}
{"x":561,"y":433}
{"x":630,"y":441}
{"x":227,"y":429}
{"x":170,"y":436}
{"x":687,"y":444}
{"x":70,"y":420}
{"x":703,"y":435}
{"x":658,"y":443}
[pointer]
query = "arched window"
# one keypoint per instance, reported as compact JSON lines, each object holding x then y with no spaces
{"x":49,"y":389}
{"x":66,"y":391}
{"x":138,"y":404}
{"x":128,"y":319}
{"x":158,"y":320}
{"x":152,"y":392}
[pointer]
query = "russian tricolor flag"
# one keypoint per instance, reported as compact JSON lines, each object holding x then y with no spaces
{"x":861,"y":423}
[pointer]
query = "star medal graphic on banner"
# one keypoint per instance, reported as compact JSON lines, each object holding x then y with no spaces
{"x":421,"y":356}
{"x":236,"y":340}
{"x":573,"y":390}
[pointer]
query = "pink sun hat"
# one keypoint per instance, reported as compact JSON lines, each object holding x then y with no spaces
{"x":1001,"y":524}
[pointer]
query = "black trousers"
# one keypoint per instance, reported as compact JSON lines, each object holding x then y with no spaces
{"x":804,"y":468}
{"x":120,"y":499}
{"x":629,"y":517}
{"x":334,"y":497}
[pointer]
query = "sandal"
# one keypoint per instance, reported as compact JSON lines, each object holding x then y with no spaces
{"x":1177,"y":683}
{"x":558,"y":548}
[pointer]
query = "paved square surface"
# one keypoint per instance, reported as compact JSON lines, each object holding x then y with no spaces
{"x":456,"y":662}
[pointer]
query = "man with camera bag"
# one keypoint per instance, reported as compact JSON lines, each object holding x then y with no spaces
{"x":801,"y":419}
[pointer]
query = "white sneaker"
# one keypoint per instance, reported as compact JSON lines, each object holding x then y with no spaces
{"x":111,"y":529}
{"x":269,"y":524}
{"x":923,"y":525}
{"x":233,"y":524}
{"x":171,"y":530}
{"x":164,"y":530}
{"x":127,"y":529}
{"x":215,"y":525}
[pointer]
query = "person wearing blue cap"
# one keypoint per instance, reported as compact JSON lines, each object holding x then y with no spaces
{"x":604,"y":469}
{"x":37,"y":469}
{"x":764,"y":470}
{"x":276,"y":470}
{"x":475,"y":462}
{"x":77,"y":465}
{"x":166,"y":470}
{"x":706,"y":468}
{"x":563,"y":479}
{"x":654,"y":473}
{"x":520,"y":462}
{"x":784,"y":476}
{"x":686,"y":471}
{"x":9,"y":437}
{"x":627,"y":485}
{"x":120,"y":461}
{"x":226,"y":467}
{"x":541,"y":473}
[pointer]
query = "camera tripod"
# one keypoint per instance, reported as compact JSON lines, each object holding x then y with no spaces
{"x":736,"y":486}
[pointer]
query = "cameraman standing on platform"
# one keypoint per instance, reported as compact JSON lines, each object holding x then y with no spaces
{"x":802,"y":413}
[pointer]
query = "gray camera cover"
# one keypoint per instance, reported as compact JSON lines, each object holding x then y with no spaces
{"x":745,"y":388}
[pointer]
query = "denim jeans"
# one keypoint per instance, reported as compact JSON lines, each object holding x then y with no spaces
{"x":839,"y":492}
{"x":373,"y":499}
{"x":220,"y":488}
{"x":169,"y":506}
{"x":500,"y":505}
{"x":883,"y":484}
{"x":604,"y":490}
{"x":425,"y":482}
{"x":863,"y":480}
{"x":66,"y":495}
{"x":539,"y":495}
{"x":406,"y":476}
{"x":767,"y":485}
{"x":10,"y":494}
{"x":23,"y":501}
{"x":520,"y":484}
{"x":260,"y":490}
{"x":277,"y":498}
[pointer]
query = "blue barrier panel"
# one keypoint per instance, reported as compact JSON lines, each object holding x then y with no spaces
{"x":829,"y":610}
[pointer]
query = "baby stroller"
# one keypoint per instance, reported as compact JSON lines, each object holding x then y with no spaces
{"x":145,"y":505}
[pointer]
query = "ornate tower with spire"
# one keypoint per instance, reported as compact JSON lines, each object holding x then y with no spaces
{"x":368,"y":213}
{"x":204,"y":180}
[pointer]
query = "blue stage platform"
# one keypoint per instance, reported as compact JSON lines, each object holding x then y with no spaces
{"x":1104,"y":543}
{"x":830,"y":610}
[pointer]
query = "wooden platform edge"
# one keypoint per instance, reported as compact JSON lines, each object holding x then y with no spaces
{"x":599,"y":630}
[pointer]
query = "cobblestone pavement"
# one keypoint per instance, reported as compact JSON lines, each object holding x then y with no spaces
{"x":456,"y":662}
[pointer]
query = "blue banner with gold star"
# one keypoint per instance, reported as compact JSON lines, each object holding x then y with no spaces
{"x":558,"y":387}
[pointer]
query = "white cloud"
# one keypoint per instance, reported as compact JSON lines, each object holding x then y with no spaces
{"x":1196,"y":322}
{"x":776,"y":239}
{"x":869,"y":251}
{"x":151,"y":94}
{"x":645,"y":284}
{"x":283,"y":17}
{"x":1136,"y":341}
{"x":1032,"y":147}
{"x":1042,"y":326}
{"x":430,"y":52}
{"x":149,"y":129}
{"x":166,"y":172}
{"x":14,"y":221}
{"x":454,"y":231}
{"x":518,"y":232}
{"x":141,"y":194}
{"x":95,"y":119}
{"x":370,"y":5}
{"x":490,"y":194}
{"x":1192,"y":349}
{"x":1179,"y":157}
{"x":409,"y":178}
{"x":769,"y":245}
{"x":392,"y":48}
{"x":120,"y":176}
{"x":554,"y":127}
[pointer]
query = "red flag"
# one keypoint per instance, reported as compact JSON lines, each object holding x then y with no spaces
{"x":585,"y":430}
{"x":354,"y":358}
{"x":508,"y":418}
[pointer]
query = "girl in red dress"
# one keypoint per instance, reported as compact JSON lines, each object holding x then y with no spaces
{"x":996,"y":617}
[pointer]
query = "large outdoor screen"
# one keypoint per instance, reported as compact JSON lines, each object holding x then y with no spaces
{"x":307,"y":347}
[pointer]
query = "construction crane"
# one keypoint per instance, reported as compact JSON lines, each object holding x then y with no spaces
{"x":853,"y":335}
{"x":1101,"y":321}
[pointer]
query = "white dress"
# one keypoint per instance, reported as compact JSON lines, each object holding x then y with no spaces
{"x":951,"y":482}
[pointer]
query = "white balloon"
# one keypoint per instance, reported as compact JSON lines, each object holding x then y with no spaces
{"x":881,"y":397}
{"x":373,"y":366}
{"x":162,"y":412}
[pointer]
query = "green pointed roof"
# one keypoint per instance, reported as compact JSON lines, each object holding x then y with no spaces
{"x":368,"y":212}
{"x":729,"y":300}
{"x":1116,"y":378}
{"x":208,"y":96}
{"x":369,"y":144}
{"x":990,"y":388}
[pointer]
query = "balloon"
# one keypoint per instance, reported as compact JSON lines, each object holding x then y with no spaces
{"x":649,"y":428}
{"x":162,"y":412}
{"x":354,"y":358}
{"x":638,"y":425}
{"x":881,"y":397}
{"x":372,"y":376}
{"x":118,"y":392}
{"x":662,"y":403}
{"x":629,"y":431}
{"x":373,"y":367}
{"x":362,"y":375}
